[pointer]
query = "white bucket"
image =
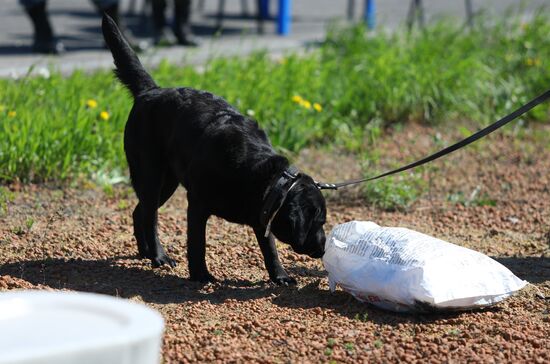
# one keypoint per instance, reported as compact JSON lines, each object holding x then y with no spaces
{"x":67,"y":328}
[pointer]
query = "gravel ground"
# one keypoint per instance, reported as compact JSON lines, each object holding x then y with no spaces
{"x":80,"y":239}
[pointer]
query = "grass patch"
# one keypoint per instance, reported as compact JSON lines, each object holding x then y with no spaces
{"x":71,"y":128}
{"x":397,"y":192}
{"x":6,"y":196}
{"x":362,"y":317}
{"x":454,"y":332}
{"x":394,"y":193}
{"x":473,"y":199}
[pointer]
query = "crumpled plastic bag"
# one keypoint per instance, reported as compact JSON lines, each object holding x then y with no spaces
{"x":402,"y":270}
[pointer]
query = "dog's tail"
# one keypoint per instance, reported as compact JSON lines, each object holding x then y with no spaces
{"x":129,"y":69}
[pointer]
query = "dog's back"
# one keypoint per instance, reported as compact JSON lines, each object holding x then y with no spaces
{"x":179,"y":127}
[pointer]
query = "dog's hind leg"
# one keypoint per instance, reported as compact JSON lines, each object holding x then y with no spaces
{"x":277,"y":273}
{"x":196,"y":242}
{"x":169,"y":185}
{"x":152,"y":189}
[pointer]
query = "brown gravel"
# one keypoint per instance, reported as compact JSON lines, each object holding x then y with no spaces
{"x":81,"y":239}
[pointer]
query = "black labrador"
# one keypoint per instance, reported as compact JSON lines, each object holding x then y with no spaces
{"x":222,"y":158}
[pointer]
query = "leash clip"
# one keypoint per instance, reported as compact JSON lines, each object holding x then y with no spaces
{"x":326,"y":186}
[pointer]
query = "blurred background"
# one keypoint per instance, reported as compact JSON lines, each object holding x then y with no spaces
{"x":344,"y":89}
{"x":223,"y":27}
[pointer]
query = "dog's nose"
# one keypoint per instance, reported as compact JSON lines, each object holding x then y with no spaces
{"x":317,"y":254}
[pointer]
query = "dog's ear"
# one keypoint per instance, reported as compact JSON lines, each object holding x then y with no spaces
{"x":301,"y":225}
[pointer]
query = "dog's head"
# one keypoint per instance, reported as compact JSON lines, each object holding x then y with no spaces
{"x":300,"y":220}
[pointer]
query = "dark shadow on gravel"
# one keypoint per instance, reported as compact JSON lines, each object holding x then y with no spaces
{"x":311,"y":296}
{"x":154,"y":286}
{"x":531,"y":269}
{"x":161,"y":286}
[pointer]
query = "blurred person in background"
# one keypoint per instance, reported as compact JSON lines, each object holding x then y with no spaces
{"x":181,"y":26}
{"x":45,"y":40}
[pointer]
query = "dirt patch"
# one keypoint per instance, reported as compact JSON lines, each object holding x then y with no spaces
{"x":78,"y":239}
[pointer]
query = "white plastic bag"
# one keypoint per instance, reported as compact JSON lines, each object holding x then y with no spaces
{"x":403,"y":270}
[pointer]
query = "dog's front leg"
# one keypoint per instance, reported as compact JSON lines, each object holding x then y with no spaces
{"x":273,"y":265}
{"x":143,"y":250}
{"x":196,"y":242}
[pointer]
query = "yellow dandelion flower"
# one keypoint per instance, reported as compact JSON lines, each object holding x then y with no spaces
{"x":529,"y":62}
{"x":91,"y":103}
{"x":104,"y":115}
{"x":306,"y":104}
{"x":297,"y":99}
{"x":317,"y":107}
{"x":12,"y":113}
{"x":2,"y":108}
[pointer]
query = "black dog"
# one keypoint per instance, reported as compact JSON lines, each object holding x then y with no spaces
{"x":222,"y":158}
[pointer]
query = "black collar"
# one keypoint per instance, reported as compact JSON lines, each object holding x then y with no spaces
{"x":276,"y":194}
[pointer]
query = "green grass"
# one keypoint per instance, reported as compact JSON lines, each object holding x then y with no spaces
{"x":395,"y":192}
{"x":362,"y":82}
{"x":6,"y":196}
{"x":454,"y":332}
{"x":473,"y":199}
{"x":362,"y":317}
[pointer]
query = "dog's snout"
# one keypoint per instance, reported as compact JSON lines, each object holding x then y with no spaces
{"x":317,"y":254}
{"x":318,"y":249}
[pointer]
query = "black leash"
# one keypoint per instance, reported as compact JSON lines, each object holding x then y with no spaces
{"x":277,"y":193}
{"x":472,"y":138}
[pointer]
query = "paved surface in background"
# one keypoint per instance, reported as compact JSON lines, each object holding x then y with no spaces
{"x":77,"y":24}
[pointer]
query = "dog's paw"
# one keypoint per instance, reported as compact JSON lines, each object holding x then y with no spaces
{"x":203,"y":278}
{"x":284,"y":281}
{"x":162,"y":260}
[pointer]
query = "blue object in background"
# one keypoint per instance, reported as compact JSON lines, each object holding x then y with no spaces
{"x":284,"y":17}
{"x":370,"y":13}
{"x":264,"y":9}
